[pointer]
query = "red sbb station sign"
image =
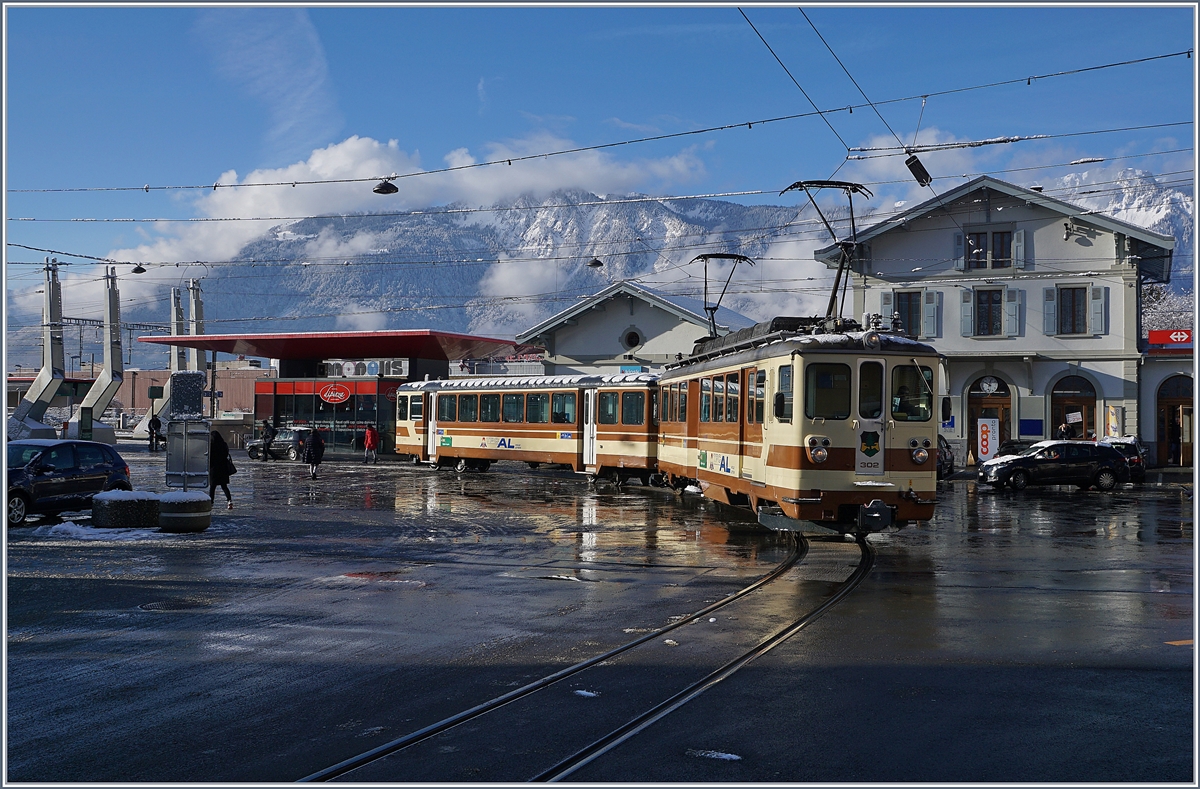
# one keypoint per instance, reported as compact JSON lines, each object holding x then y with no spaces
{"x":1171,"y":337}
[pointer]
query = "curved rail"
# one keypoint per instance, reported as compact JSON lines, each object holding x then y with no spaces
{"x":798,"y":552}
{"x":620,"y":735}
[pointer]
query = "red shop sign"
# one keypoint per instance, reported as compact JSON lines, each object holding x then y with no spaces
{"x":334,"y":393}
{"x":390,"y":392}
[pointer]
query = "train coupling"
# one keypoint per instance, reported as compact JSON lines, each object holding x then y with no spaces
{"x":876,"y":516}
{"x":915,"y":497}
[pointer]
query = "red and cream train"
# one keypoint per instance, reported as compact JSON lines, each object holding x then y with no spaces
{"x":836,"y":429}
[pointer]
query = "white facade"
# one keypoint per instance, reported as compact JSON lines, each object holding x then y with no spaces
{"x":1031,"y":300}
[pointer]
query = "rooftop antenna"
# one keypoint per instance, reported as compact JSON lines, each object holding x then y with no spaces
{"x":712,"y":311}
{"x":847,"y":247}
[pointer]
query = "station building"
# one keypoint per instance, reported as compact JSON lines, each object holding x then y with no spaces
{"x":1035,"y":304}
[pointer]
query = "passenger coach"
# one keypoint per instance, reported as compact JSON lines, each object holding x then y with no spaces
{"x":836,"y":428}
{"x":599,"y":425}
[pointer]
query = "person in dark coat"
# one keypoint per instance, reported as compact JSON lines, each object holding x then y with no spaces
{"x":314,"y":450}
{"x":268,"y":437}
{"x":155,"y":429}
{"x":1065,"y":431}
{"x":219,"y":464}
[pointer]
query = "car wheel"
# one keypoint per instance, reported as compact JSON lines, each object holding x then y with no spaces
{"x":1019,"y":480}
{"x":18,"y":508}
{"x":292,"y":453}
{"x":253,"y":453}
{"x":1106,"y":479}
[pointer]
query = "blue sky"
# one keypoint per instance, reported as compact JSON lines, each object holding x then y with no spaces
{"x":105,"y":97}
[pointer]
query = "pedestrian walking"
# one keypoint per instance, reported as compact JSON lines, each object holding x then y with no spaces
{"x":371,"y":445}
{"x":155,"y":428}
{"x":220,"y":468}
{"x":314,"y":450}
{"x":268,"y":437}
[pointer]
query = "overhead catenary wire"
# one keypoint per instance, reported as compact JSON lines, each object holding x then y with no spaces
{"x":602,"y":146}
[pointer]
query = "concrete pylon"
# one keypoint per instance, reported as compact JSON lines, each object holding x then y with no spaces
{"x":105,"y":387}
{"x":26,"y":419}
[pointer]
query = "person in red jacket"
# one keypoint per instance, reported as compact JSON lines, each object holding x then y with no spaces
{"x":371,"y":445}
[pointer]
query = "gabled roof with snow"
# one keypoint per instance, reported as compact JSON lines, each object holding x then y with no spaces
{"x":830,"y":254}
{"x":683,"y":307}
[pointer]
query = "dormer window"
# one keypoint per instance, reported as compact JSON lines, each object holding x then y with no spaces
{"x":992,"y":247}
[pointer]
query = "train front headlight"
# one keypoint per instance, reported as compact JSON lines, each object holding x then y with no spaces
{"x":920,"y":455}
{"x":819,"y":454}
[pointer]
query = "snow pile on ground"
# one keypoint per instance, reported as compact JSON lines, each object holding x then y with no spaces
{"x":74,"y":531}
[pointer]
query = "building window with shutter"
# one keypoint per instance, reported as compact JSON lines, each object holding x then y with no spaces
{"x":1002,"y":249}
{"x":989,"y":313}
{"x":993,"y":249}
{"x":908,"y":305}
{"x":977,"y":250}
{"x":1073,"y":310}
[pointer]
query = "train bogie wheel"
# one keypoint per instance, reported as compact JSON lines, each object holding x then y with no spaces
{"x":461,"y":465}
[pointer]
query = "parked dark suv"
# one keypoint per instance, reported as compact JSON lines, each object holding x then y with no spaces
{"x":288,"y":443}
{"x":1082,"y":463}
{"x":49,"y":476}
{"x":1135,"y":454}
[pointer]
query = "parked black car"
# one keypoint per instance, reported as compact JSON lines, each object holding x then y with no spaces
{"x":50,"y":476}
{"x":945,"y":458}
{"x":1135,"y":454}
{"x":1082,"y":463}
{"x":288,"y":443}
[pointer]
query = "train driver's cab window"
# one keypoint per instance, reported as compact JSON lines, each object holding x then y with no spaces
{"x":827,"y":391}
{"x":870,"y":390}
{"x":783,"y":397}
{"x":562,"y":408}
{"x":608,"y":408}
{"x":514,"y":407}
{"x":468,"y":408}
{"x":537,"y":408}
{"x":489,"y":408}
{"x":417,"y":409}
{"x":633,"y":408}
{"x":912,"y":398}
{"x":447,"y":408}
{"x":402,"y":408}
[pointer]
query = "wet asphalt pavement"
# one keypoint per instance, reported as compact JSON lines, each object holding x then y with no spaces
{"x":1017,"y":637}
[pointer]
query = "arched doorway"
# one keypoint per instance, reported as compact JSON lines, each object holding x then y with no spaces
{"x":988,"y":398}
{"x":1175,"y":421}
{"x":1073,"y":403}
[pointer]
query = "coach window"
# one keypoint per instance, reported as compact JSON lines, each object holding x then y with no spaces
{"x":683,"y":387}
{"x":827,"y":391}
{"x":760,"y":394}
{"x":705,"y":398}
{"x":718,"y":409}
{"x":468,"y":408}
{"x":514,"y":407}
{"x":633,"y":408}
{"x":447,"y":408}
{"x":912,"y":398}
{"x":402,"y":408}
{"x":537,"y":408}
{"x":562,"y":408}
{"x":489,"y":408}
{"x":608,"y":408}
{"x":734,"y":391}
{"x":417,"y":409}
{"x":783,"y":398}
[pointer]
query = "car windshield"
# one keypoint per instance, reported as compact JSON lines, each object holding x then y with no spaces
{"x":19,"y":455}
{"x":1030,"y":451}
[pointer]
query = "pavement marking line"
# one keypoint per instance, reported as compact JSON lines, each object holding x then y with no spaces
{"x":1186,"y":643}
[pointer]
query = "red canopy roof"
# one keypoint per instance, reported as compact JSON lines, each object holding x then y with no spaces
{"x":407,"y":343}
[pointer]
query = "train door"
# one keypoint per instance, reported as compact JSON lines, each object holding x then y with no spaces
{"x":589,"y":427}
{"x":870,"y":439}
{"x":431,"y":433}
{"x":691,"y":441}
{"x":754,"y":385}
